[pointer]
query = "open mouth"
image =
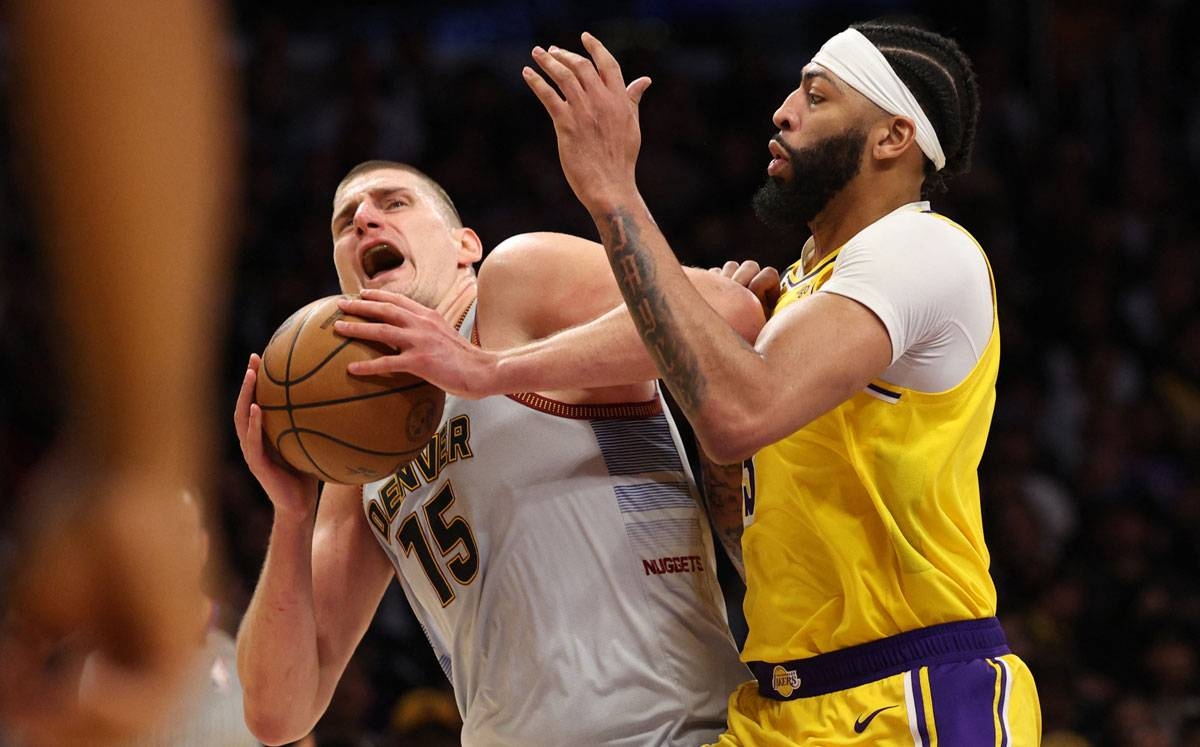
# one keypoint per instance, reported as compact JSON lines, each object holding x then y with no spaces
{"x":780,"y":161}
{"x":777,"y":150}
{"x":381,"y":258}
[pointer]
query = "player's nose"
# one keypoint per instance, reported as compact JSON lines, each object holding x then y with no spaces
{"x":787,"y":116}
{"x":366,"y":217}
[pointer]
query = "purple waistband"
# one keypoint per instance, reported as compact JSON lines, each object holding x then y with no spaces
{"x":857,"y":665}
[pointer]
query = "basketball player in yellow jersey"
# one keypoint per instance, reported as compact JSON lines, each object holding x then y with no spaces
{"x":865,"y":401}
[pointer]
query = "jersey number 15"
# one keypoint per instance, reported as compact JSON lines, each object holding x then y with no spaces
{"x":453,"y":539}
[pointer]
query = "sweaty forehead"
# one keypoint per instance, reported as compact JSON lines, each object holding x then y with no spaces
{"x":377,"y":180}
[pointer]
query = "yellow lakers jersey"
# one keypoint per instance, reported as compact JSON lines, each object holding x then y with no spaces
{"x":866,"y":522}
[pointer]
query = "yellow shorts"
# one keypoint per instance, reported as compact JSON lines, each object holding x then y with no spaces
{"x":990,"y":702}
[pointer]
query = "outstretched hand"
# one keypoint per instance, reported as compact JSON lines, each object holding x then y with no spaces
{"x":595,"y":118}
{"x":426,"y":345}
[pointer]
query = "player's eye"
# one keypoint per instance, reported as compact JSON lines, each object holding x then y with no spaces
{"x":814,"y":99}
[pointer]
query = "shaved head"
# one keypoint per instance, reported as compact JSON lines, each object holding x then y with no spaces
{"x":441,"y":200}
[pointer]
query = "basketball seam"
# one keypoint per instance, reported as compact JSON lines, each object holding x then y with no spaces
{"x":287,"y":393}
{"x":289,"y":407}
{"x":349,"y":445}
{"x":302,"y":434}
{"x":333,"y":353}
{"x":300,"y":443}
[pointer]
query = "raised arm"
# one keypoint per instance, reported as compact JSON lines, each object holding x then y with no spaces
{"x":320,"y":586}
{"x":738,"y":397}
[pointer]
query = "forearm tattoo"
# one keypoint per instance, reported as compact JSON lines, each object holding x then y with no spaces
{"x":722,"y":491}
{"x":661,"y":332}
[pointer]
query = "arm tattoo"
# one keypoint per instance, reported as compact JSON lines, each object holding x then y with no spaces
{"x":722,"y":492}
{"x":661,"y":332}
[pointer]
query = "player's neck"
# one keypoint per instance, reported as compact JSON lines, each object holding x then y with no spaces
{"x":862,"y":202}
{"x":460,"y":297}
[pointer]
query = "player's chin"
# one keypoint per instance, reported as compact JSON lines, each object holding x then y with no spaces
{"x":393,"y":281}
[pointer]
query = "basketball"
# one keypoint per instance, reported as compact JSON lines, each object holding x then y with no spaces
{"x":322,"y":420}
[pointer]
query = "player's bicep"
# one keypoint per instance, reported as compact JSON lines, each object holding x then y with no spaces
{"x":820,"y":352}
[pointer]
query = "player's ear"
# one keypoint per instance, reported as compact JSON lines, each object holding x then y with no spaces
{"x":893,"y":138}
{"x":470,"y":248}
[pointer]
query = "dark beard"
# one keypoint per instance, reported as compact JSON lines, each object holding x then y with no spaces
{"x":819,"y":172}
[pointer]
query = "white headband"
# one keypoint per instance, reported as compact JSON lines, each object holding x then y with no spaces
{"x":853,"y":58}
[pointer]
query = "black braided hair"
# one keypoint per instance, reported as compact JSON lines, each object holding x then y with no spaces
{"x":942,"y":79}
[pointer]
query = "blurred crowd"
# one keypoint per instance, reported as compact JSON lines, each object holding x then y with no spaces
{"x":1086,"y":165}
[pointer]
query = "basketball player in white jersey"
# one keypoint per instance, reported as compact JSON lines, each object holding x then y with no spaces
{"x":551,"y":544}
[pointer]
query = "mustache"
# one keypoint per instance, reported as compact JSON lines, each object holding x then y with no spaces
{"x":792,"y":153}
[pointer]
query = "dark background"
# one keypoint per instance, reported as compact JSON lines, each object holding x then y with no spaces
{"x":1083,"y":194}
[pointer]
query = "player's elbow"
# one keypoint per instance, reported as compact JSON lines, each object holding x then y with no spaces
{"x":723,"y":451}
{"x":729,"y":436}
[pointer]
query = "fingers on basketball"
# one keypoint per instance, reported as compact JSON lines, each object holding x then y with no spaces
{"x":329,"y":423}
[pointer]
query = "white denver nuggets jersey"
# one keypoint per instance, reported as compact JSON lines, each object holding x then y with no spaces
{"x":563,"y":569}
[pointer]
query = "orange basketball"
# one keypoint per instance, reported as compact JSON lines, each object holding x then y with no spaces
{"x":324,"y":421}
